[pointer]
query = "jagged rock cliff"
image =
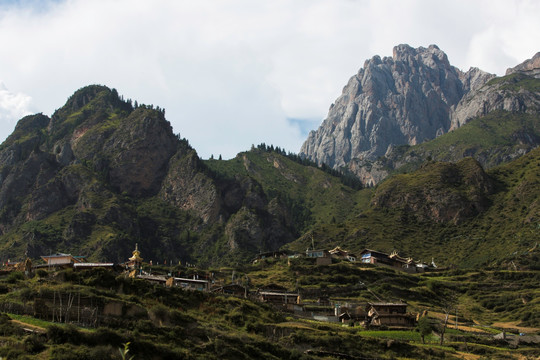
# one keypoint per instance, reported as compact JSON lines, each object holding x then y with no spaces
{"x":502,"y":122}
{"x":509,"y":93}
{"x":412,"y":97}
{"x":405,"y":99}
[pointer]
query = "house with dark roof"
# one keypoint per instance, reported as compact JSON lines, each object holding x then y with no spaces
{"x":279,"y":296}
{"x":231,"y":289}
{"x":270,"y":255}
{"x":374,"y":257}
{"x":339,"y":253}
{"x":389,"y":314}
{"x":394,"y":260}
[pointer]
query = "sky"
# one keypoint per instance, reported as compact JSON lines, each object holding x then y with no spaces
{"x":232,"y":73}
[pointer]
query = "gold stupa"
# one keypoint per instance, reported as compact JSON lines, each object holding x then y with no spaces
{"x":136,"y":258}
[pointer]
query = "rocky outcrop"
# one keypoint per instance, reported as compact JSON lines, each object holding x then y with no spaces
{"x":440,"y":192}
{"x":190,"y":189}
{"x":405,"y":99}
{"x":83,"y":165}
{"x":139,"y":152}
{"x":530,"y":67}
{"x":507,"y":93}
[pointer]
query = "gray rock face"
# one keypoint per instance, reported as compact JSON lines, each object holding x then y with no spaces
{"x":189,"y":189}
{"x":498,"y":95}
{"x":405,"y":99}
{"x":530,"y":67}
{"x":502,"y":94}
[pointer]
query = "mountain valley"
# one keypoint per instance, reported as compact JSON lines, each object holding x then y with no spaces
{"x":416,"y":159}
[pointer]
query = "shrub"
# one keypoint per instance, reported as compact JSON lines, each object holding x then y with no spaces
{"x":59,"y":335}
{"x":34,"y":343}
{"x":179,"y":318}
{"x":236,"y":317}
{"x":102,"y":278}
{"x":104,"y":336}
{"x":13,"y":352}
{"x":42,"y":273}
{"x":7,"y":328}
{"x":70,"y":275}
{"x":56,"y":334}
{"x":160,"y":312}
{"x":255,"y":327}
{"x":102,"y":353}
{"x":15,"y":276}
{"x":144,"y":326}
{"x":27,"y":294}
{"x":526,"y":316}
{"x":424,"y":327}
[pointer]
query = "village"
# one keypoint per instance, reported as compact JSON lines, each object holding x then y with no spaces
{"x":377,"y":314}
{"x":323,"y":302}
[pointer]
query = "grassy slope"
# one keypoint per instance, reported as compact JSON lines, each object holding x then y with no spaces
{"x":510,"y":225}
{"x":483,"y":297}
{"x":319,"y":203}
{"x":305,"y":188}
{"x":491,"y":139}
{"x":184,"y":324}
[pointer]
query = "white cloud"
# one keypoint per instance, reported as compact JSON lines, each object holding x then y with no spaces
{"x":231,"y":72}
{"x":13,"y":106}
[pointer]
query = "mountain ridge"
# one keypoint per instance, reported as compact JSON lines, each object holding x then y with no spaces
{"x":403,"y":99}
{"x":412,"y":97}
{"x":101,"y":175}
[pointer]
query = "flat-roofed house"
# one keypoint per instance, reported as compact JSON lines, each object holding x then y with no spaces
{"x":192,"y":284}
{"x":375,"y":257}
{"x":322,"y":256}
{"x":288,"y":300}
{"x":61,"y":259}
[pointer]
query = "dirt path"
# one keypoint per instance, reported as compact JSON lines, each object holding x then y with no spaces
{"x":29,"y":327}
{"x":513,"y":325}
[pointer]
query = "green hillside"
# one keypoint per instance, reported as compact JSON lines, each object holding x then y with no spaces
{"x":495,"y":138}
{"x":312,"y":195}
{"x":407,"y":214}
{"x":101,"y":175}
{"x":91,"y":314}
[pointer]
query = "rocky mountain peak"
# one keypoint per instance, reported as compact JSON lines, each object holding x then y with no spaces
{"x":431,"y":55}
{"x":403,"y":99}
{"x":84,"y":95}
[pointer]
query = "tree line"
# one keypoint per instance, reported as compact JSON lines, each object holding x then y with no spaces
{"x":346,"y":177}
